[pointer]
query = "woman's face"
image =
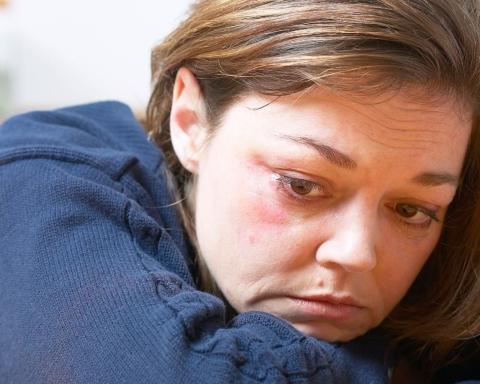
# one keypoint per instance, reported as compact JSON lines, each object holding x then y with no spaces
{"x":322,"y":210}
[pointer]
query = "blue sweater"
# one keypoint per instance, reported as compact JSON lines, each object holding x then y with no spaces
{"x":94,"y":279}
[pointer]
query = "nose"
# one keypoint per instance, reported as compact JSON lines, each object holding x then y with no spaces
{"x":351,"y":243}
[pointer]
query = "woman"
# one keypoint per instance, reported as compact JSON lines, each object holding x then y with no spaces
{"x":316,"y":145}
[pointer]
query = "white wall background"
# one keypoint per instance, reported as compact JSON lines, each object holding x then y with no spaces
{"x":59,"y":52}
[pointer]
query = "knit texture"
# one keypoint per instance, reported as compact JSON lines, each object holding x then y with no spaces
{"x":95,"y":284}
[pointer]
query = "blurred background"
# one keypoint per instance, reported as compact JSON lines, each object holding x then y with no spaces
{"x":55,"y":53}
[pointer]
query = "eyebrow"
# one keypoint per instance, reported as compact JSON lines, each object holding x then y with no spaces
{"x":331,"y":154}
{"x":334,"y":156}
{"x":431,"y":179}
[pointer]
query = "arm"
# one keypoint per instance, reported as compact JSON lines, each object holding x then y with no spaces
{"x":86,"y":297}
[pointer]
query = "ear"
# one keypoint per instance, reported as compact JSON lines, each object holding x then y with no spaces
{"x":188,"y":127}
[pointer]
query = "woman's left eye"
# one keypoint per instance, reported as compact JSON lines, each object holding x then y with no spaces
{"x":300,"y":188}
{"x":415,"y":215}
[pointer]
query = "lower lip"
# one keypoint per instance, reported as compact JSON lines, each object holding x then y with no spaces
{"x":326,"y":309}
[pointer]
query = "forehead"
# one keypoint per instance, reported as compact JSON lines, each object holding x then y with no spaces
{"x":403,"y":112}
{"x":402,"y":123}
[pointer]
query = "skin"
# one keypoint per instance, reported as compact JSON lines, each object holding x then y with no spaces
{"x":315,"y":207}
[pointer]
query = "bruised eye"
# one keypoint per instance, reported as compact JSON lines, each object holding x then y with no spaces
{"x":415,"y":215}
{"x":300,"y":188}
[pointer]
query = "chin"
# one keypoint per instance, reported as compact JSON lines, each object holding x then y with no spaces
{"x":329,"y":333}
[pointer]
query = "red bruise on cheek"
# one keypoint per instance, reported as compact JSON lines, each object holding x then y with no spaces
{"x":265,"y":210}
{"x":265,"y":217}
{"x":272,"y":214}
{"x":262,"y":206}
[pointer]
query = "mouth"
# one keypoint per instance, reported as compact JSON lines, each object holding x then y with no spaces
{"x":327,"y":307}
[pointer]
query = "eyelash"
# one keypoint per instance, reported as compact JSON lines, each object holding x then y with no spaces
{"x":432,"y":216}
{"x":285,"y":183}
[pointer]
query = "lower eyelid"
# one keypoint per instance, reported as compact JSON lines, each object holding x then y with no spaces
{"x":423,"y":227}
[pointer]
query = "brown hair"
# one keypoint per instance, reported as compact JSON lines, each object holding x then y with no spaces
{"x":362,"y":47}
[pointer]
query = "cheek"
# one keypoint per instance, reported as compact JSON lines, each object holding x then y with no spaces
{"x":268,"y":213}
{"x":399,"y":271}
{"x":262,"y":214}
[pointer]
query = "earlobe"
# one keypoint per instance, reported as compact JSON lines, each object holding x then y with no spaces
{"x":188,"y":127}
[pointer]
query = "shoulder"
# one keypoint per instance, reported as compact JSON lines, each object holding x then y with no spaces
{"x":92,"y":160}
{"x":105,"y":134}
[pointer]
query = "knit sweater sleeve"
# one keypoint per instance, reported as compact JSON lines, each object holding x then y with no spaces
{"x":88,"y":294}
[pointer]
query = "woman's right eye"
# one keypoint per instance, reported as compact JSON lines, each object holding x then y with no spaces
{"x":300,"y":188}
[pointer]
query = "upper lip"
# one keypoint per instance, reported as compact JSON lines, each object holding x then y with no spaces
{"x":332,"y":299}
